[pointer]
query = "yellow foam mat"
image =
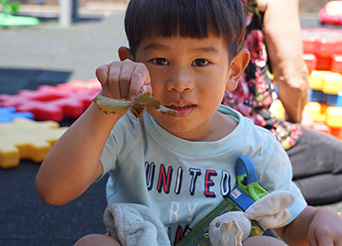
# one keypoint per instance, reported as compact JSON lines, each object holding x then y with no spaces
{"x":27,"y":139}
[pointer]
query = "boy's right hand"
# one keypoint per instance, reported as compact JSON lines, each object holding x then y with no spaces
{"x":124,"y":79}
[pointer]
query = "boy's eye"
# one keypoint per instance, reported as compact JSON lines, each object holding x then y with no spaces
{"x":200,"y":62}
{"x":161,"y":61}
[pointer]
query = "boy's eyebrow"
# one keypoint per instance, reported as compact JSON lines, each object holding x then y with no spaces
{"x":154,"y":46}
{"x":210,"y":49}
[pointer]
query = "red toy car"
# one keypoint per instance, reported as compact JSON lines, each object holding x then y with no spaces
{"x":331,"y":13}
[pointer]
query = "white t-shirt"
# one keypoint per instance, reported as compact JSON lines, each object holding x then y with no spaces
{"x":182,"y":181}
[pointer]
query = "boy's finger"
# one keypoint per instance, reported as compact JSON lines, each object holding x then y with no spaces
{"x":114,"y":79}
{"x":126,"y":74}
{"x":320,"y":240}
{"x":140,"y":80}
{"x":101,"y":74}
{"x":147,"y":88}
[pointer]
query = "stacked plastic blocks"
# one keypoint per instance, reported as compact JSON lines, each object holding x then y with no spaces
{"x":323,"y":55}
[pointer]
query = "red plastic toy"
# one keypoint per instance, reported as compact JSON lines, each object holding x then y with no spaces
{"x":323,"y":49}
{"x":331,"y":13}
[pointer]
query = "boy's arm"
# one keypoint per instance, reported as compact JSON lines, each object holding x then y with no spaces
{"x":73,"y":163}
{"x":314,"y":226}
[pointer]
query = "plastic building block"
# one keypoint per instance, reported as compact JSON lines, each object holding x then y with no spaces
{"x":277,"y":109}
{"x":27,"y":139}
{"x":321,"y":127}
{"x":317,"y":111}
{"x":336,"y":65}
{"x":318,"y":96}
{"x":334,"y":117}
{"x":332,"y":83}
{"x":54,"y":102}
{"x":9,"y":113}
{"x":309,"y":40}
{"x":329,"y":41}
{"x":324,"y":63}
{"x":316,"y":79}
{"x":326,"y":81}
{"x":323,"y":43}
{"x":311,"y":61}
{"x":335,"y":100}
{"x":324,"y":128}
{"x":337,"y":132}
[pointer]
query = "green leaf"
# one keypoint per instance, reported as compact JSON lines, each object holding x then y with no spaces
{"x":153,"y":102}
{"x":166,"y":110}
{"x":110,"y":105}
{"x":115,"y":106}
{"x":148,"y":99}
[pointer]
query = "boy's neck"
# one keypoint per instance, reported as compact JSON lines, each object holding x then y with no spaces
{"x":219,"y":126}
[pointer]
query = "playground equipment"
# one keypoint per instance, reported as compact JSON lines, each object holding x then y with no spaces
{"x":6,"y":19}
{"x":323,"y":55}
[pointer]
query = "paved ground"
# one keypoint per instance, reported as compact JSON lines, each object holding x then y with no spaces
{"x":48,"y":54}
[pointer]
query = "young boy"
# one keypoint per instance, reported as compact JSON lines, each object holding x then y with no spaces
{"x":185,"y":53}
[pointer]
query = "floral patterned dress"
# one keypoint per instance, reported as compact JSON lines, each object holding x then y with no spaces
{"x":255,"y":92}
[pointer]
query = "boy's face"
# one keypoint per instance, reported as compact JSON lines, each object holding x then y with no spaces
{"x":188,"y":75}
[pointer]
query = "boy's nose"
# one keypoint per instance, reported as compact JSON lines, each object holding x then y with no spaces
{"x":180,"y":81}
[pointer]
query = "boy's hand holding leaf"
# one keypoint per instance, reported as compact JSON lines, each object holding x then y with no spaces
{"x":124,"y":79}
{"x":110,"y":105}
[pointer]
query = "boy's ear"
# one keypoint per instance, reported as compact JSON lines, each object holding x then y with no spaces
{"x":125,"y":53}
{"x":237,"y":66}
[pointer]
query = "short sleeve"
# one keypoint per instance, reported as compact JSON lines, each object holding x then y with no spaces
{"x":278,"y":175}
{"x":119,"y":142}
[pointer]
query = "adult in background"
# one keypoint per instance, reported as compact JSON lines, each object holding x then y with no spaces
{"x":274,"y":40}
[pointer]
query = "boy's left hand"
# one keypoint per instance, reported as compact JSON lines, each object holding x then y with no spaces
{"x":325,"y":228}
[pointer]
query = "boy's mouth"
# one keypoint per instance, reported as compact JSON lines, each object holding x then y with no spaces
{"x":183,"y":108}
{"x":178,"y":107}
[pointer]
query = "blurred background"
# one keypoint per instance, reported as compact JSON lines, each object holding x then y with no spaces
{"x":52,"y":52}
{"x":306,"y":6}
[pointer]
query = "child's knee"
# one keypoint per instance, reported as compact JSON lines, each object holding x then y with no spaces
{"x":263,"y":241}
{"x":97,"y":240}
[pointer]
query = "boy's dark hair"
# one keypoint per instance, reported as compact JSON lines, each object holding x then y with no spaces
{"x":187,"y":18}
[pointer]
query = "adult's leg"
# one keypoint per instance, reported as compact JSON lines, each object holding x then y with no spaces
{"x":263,"y":241}
{"x":317,"y":167}
{"x":97,"y":240}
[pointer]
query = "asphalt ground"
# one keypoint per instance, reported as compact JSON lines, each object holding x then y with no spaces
{"x":48,"y":54}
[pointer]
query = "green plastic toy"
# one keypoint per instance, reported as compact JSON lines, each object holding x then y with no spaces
{"x":248,"y":191}
{"x":6,"y":19}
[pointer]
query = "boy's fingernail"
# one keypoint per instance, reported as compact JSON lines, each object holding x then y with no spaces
{"x":147,"y":89}
{"x":132,"y":98}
